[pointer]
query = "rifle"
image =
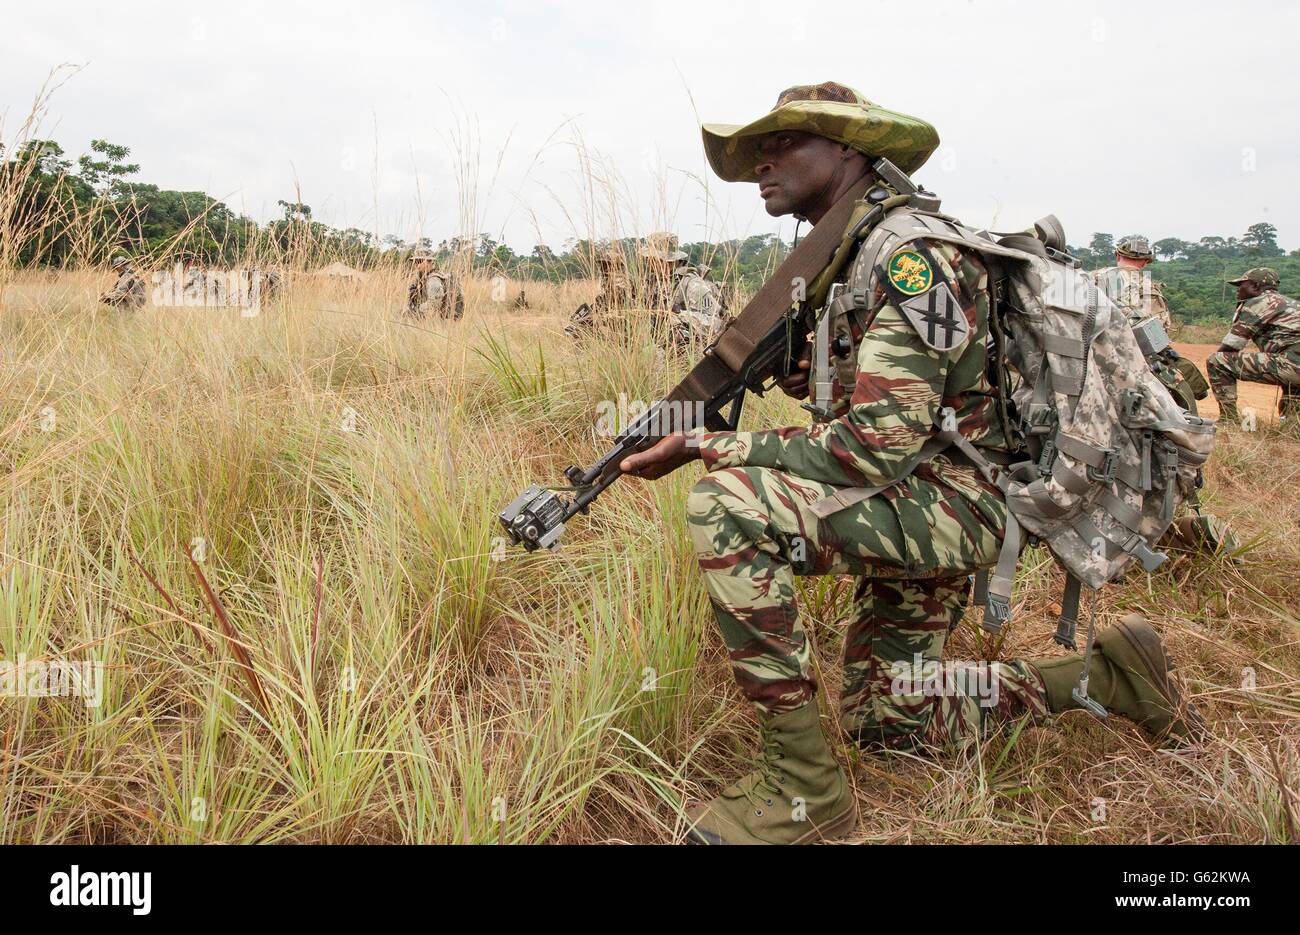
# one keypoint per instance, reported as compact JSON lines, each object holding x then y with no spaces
{"x":761,"y":345}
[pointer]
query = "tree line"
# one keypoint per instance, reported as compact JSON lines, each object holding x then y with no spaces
{"x":56,"y":211}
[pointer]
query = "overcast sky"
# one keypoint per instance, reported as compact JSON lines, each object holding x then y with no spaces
{"x":1170,"y":119}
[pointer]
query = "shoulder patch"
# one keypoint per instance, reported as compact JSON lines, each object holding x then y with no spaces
{"x":937,"y":317}
{"x":909,"y":271}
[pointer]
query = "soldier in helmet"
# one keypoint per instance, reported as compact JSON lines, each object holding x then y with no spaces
{"x":128,"y":292}
{"x":615,"y":295}
{"x":1272,"y":321}
{"x":1129,"y":285}
{"x":857,"y":494}
{"x":433,"y":290}
{"x":691,"y":305}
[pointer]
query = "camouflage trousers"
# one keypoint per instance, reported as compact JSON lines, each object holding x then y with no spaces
{"x":913,"y":547}
{"x":1226,"y":369}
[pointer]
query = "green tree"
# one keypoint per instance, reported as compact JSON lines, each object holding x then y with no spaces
{"x":1261,"y":240}
{"x":108,"y":174}
{"x":1171,"y":248}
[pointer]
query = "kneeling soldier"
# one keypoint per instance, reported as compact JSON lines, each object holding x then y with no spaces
{"x":915,"y":342}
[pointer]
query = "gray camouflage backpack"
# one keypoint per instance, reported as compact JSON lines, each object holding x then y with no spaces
{"x":1104,"y":453}
{"x":1109,"y":453}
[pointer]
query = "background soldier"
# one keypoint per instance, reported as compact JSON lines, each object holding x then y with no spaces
{"x":1272,"y":321}
{"x":614,"y":296}
{"x":917,"y":533}
{"x":128,"y":292}
{"x":1130,"y":286}
{"x":693,"y":303}
{"x":433,"y":290}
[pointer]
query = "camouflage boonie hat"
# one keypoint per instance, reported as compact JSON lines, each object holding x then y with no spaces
{"x":832,"y":110}
{"x":118,"y":262}
{"x":662,"y":246}
{"x":1135,"y":247}
{"x":421,"y":254}
{"x":1266,"y":277}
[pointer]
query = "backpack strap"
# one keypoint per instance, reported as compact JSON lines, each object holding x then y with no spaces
{"x":1068,"y":621}
{"x":946,"y":436}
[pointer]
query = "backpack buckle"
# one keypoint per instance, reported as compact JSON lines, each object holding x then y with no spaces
{"x":1138,"y":548}
{"x":996,"y":612}
{"x":1047,"y":458}
{"x":1106,"y":473}
{"x":1039,"y":419}
{"x":1131,"y":405}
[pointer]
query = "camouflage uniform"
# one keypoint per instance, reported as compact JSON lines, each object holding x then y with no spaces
{"x":1272,"y":321}
{"x":697,"y":306}
{"x":129,"y":290}
{"x":433,"y":291}
{"x":615,"y":294}
{"x":914,"y":544}
{"x":1142,"y":298}
{"x":691,"y":306}
{"x":1135,"y":292}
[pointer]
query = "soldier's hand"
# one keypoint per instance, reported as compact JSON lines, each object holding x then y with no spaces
{"x":796,"y":384}
{"x":664,"y":457}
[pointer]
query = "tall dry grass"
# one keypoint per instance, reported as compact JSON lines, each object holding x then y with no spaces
{"x":357,"y":658}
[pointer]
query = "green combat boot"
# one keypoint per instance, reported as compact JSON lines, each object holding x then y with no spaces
{"x":1129,"y":676}
{"x":798,"y":794}
{"x":1228,"y":413}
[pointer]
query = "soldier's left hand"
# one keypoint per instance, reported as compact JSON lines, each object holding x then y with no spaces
{"x":664,"y":457}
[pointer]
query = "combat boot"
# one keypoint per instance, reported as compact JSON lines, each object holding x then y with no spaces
{"x":1228,"y":412}
{"x":799,"y":794}
{"x":1205,"y":531}
{"x":1129,"y":676}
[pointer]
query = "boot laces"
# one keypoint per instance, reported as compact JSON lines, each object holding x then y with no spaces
{"x":765,"y":781}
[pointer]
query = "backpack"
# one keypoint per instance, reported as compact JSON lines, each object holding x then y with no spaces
{"x":1102,"y":452}
{"x":1108,"y":454}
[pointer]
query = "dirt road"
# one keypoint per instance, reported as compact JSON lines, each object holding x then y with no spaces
{"x":1260,"y":396}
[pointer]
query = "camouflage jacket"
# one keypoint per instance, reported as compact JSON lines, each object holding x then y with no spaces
{"x":615,"y":292}
{"x":1271,"y":320}
{"x":888,"y":396}
{"x":1134,"y":291}
{"x":697,"y":304}
{"x":430,"y":292}
{"x":127,"y":292}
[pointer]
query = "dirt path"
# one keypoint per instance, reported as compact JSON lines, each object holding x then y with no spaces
{"x":1262,"y":397}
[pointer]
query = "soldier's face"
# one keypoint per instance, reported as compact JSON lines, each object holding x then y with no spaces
{"x":794,"y":169}
{"x":424,"y":266}
{"x":1248,"y":290}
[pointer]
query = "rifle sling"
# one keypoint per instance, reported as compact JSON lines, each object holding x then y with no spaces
{"x":777,"y":296}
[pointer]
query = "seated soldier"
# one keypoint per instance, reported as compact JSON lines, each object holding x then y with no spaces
{"x":1272,"y":321}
